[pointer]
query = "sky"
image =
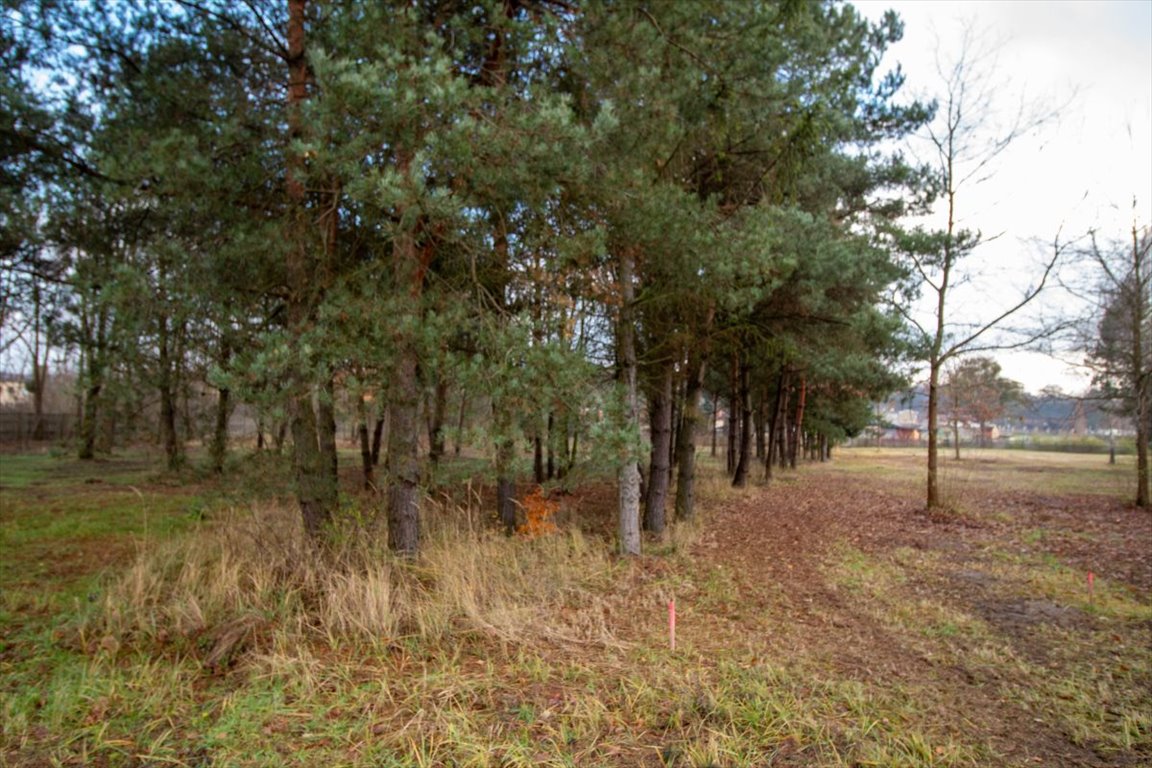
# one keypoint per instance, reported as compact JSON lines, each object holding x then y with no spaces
{"x":1090,"y":63}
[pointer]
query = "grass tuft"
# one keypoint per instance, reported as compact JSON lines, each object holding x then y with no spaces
{"x":251,"y":580}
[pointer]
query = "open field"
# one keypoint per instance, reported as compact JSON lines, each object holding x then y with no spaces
{"x":825,"y":620}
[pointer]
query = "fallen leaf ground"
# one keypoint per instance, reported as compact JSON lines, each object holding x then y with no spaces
{"x":784,"y":545}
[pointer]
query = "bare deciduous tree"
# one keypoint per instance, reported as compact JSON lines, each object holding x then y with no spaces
{"x":964,"y":147}
{"x":1118,"y":339}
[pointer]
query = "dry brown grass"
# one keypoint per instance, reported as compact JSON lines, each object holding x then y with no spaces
{"x":252,"y":579}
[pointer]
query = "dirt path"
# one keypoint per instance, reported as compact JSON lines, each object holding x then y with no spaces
{"x":779,"y":542}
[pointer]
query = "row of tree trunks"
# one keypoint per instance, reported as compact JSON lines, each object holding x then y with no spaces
{"x":771,"y":433}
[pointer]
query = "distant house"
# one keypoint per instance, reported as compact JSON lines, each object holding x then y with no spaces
{"x":906,"y":434}
{"x":905,"y":426}
{"x":12,"y":390}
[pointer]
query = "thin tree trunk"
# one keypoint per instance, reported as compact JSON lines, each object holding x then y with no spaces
{"x":436,"y":414}
{"x":378,"y":437}
{"x":659,"y":469}
{"x":573,"y":454}
{"x":933,"y":411}
{"x":538,"y":458}
{"x":715,"y":424}
{"x":1142,"y":376}
{"x":686,"y":448}
{"x":798,"y":429}
{"x":775,"y":428}
{"x":1142,"y":416}
{"x":735,"y":407}
{"x":167,"y":398}
{"x":506,"y":502}
{"x":773,"y":425}
{"x":91,"y":416}
{"x":219,"y":450}
{"x":366,"y":463}
{"x":740,"y":476}
{"x":460,"y":423}
{"x":761,"y":415}
{"x":506,"y":505}
{"x":785,"y":431}
{"x":629,"y":473}
{"x":550,"y":459}
{"x":181,"y":388}
{"x":39,"y":369}
{"x":326,"y":426}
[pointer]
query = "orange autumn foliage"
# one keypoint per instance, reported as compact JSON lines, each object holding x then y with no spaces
{"x":538,"y":514}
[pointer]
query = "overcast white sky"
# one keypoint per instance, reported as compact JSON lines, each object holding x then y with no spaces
{"x":1081,"y":171}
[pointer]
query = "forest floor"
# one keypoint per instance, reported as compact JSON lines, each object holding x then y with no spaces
{"x":823,"y":619}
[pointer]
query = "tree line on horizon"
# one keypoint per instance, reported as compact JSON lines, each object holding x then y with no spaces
{"x":533,"y":222}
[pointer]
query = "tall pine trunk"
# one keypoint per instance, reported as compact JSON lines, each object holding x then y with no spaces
{"x":659,"y":468}
{"x":219,"y":449}
{"x":39,"y":362}
{"x":95,"y":330}
{"x":436,"y":414}
{"x":774,"y":421}
{"x":90,"y":416}
{"x":366,"y":464}
{"x":403,"y":455}
{"x":538,"y":458}
{"x":378,"y":437}
{"x":404,"y":403}
{"x":326,"y":428}
{"x":761,"y":415}
{"x":460,"y":423}
{"x":686,"y":443}
{"x":167,"y":387}
{"x":734,"y":409}
{"x":550,"y":458}
{"x":628,"y":471}
{"x":798,"y":425}
{"x":740,"y":476}
{"x":506,"y":506}
{"x":315,"y":488}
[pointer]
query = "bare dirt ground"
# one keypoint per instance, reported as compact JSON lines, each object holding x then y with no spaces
{"x":778,"y":541}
